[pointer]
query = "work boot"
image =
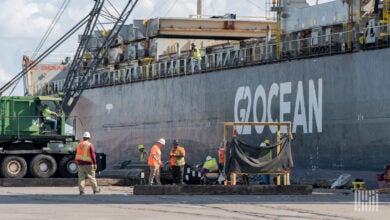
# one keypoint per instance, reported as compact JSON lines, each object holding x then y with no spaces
{"x":96,"y":192}
{"x":82,"y":193}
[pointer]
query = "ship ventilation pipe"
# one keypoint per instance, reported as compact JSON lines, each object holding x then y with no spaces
{"x":295,"y":3}
{"x":199,"y":9}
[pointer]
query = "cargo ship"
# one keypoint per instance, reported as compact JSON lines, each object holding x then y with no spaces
{"x":323,"y":68}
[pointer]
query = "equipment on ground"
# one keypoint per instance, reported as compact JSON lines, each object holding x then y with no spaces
{"x":239,"y":159}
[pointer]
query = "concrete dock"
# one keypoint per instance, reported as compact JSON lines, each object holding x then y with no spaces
{"x":118,"y":202}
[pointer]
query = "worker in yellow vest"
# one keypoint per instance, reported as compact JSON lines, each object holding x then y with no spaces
{"x":48,"y":115}
{"x":87,"y":163}
{"x":143,"y":153}
{"x":196,"y":57}
{"x":177,"y":162}
{"x":210,"y":165}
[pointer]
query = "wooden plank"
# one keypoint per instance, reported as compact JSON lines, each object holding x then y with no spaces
{"x":222,"y":190}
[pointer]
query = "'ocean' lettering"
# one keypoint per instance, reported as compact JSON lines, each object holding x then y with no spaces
{"x":305,"y":112}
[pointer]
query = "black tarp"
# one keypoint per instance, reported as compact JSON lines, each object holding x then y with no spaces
{"x":244,"y":158}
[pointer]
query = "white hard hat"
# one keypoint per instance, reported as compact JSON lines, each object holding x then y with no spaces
{"x":86,"y":135}
{"x":208,"y":158}
{"x":262,"y":144}
{"x":161,"y":141}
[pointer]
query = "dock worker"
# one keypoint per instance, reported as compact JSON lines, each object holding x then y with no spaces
{"x":196,"y":57}
{"x":177,"y":162}
{"x":154,"y":161}
{"x":210,"y":165}
{"x":48,"y":115}
{"x":87,"y":164}
{"x":143,"y":153}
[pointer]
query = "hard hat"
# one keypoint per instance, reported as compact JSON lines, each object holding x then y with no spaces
{"x":175,"y":141}
{"x":267,"y":141}
{"x":161,"y":141}
{"x":208,"y":158}
{"x":140,"y":147}
{"x":86,"y":135}
{"x":262,"y":144}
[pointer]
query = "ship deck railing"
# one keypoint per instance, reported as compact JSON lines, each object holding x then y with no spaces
{"x":249,"y":55}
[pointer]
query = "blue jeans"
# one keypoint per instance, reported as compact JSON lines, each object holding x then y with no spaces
{"x":53,"y":123}
{"x":196,"y":64}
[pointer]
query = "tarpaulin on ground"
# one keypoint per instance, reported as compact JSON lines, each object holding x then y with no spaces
{"x":244,"y":158}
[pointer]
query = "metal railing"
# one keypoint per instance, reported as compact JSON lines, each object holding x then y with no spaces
{"x":263,"y":53}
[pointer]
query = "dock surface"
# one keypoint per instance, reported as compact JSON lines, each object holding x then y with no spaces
{"x":118,"y":202}
{"x":223,"y":190}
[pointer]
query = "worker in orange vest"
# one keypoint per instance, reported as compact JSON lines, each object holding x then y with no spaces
{"x":177,"y":162}
{"x":87,"y":164}
{"x":154,"y":161}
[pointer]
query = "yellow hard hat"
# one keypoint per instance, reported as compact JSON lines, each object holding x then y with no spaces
{"x":140,"y":147}
{"x":267,"y":141}
{"x":104,"y":33}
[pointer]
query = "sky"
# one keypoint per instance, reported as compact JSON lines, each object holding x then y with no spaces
{"x":24,"y":22}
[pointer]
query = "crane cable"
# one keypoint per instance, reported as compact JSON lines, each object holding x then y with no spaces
{"x":46,"y":35}
{"x":52,"y":25}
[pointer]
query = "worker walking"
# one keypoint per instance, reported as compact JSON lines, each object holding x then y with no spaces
{"x":143,"y":153}
{"x":87,"y":163}
{"x":196,"y":58}
{"x":47,"y":114}
{"x":177,"y":162}
{"x":154,"y":161}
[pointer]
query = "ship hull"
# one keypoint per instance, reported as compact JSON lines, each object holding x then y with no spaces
{"x":338,"y":107}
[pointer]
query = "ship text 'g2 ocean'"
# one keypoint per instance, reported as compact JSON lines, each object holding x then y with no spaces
{"x":300,"y":102}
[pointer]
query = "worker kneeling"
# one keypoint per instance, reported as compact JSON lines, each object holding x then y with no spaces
{"x":210,"y":170}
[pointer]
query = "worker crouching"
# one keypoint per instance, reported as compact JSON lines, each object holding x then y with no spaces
{"x":177,"y":162}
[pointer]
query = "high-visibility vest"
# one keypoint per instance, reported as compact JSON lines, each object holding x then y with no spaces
{"x":154,"y":156}
{"x":47,"y":113}
{"x":175,"y":160}
{"x":196,"y":54}
{"x":83,"y":152}
{"x":211,"y":165}
{"x":143,"y":156}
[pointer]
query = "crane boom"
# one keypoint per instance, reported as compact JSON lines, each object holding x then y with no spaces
{"x":78,"y":75}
